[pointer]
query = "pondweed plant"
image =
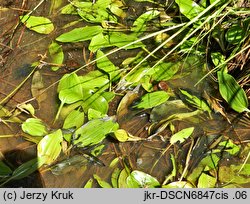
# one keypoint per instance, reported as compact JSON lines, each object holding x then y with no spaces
{"x":208,"y":34}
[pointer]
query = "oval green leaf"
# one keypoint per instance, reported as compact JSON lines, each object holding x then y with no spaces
{"x":232,"y":92}
{"x":139,"y":179}
{"x":80,"y":34}
{"x":34,"y":127}
{"x":38,"y":24}
{"x":49,"y":148}
{"x":94,"y":131}
{"x":181,"y":135}
{"x":153,"y":99}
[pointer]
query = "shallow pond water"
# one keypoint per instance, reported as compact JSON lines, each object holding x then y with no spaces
{"x":21,"y":47}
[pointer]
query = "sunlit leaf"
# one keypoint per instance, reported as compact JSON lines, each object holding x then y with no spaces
{"x":122,"y":136}
{"x":194,"y":100}
{"x":163,"y":71}
{"x":94,"y":114}
{"x":139,"y":179}
{"x":56,"y":54}
{"x":122,"y":180}
{"x":114,"y":177}
{"x":206,"y":181}
{"x":182,"y":135}
{"x":107,"y":66}
{"x":28,"y":107}
{"x":153,"y":99}
{"x":230,"y":147}
{"x":101,"y":182}
{"x":97,"y":150}
{"x":140,"y":24}
{"x":94,"y":80}
{"x":232,"y":92}
{"x":38,"y":24}
{"x":74,"y":119}
{"x":49,"y":147}
{"x":179,"y":184}
{"x":34,"y":127}
{"x":89,"y":183}
{"x":189,"y":8}
{"x":80,"y":34}
{"x":94,"y":131}
{"x":95,"y":101}
{"x":210,"y":162}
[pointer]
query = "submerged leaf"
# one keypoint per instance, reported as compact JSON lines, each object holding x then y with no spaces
{"x":139,"y":179}
{"x":232,"y":92}
{"x":38,"y":24}
{"x":56,"y":54}
{"x":153,"y":99}
{"x":94,"y":131}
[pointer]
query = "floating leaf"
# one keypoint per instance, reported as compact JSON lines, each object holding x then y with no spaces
{"x":206,"y":181}
{"x":94,"y":114}
{"x":74,"y":119}
{"x":189,"y":8}
{"x":179,"y":184}
{"x":123,"y":136}
{"x":49,"y":148}
{"x":80,"y":34}
{"x":232,"y":92}
{"x":28,"y":107}
{"x":210,"y":162}
{"x":230,"y":147}
{"x":139,"y":179}
{"x":181,"y":135}
{"x":140,"y":24}
{"x":34,"y":127}
{"x":122,"y":180}
{"x":95,"y":101}
{"x":56,"y":54}
{"x":89,"y":183}
{"x":94,"y":131}
{"x":95,"y":80}
{"x":114,"y":177}
{"x":38,"y":24}
{"x":107,"y":66}
{"x":153,"y":99}
{"x":102,"y":183}
{"x":198,"y":103}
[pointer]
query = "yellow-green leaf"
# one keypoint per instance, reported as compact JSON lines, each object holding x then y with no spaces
{"x":38,"y":24}
{"x":181,"y":135}
{"x":49,"y":147}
